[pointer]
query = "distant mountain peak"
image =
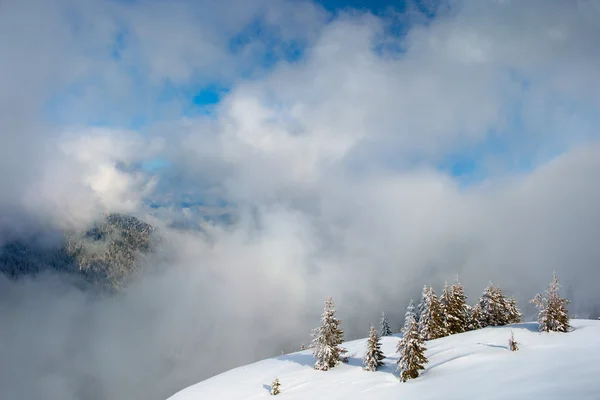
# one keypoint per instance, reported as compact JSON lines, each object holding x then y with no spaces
{"x":108,"y":254}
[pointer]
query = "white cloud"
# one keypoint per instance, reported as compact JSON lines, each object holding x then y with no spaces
{"x":83,"y":176}
{"x":330,"y":162}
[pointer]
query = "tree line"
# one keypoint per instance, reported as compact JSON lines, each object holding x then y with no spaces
{"x":433,"y":318}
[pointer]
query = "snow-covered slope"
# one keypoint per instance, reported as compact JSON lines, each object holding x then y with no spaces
{"x":472,"y":365}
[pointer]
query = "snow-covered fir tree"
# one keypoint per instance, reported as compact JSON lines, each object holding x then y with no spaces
{"x":553,"y":314}
{"x":411,"y":348}
{"x":410,"y":310}
{"x":327,"y":339}
{"x":373,"y":358}
{"x":463,"y":313}
{"x":431,"y":323}
{"x":386,"y":330}
{"x":475,"y":317}
{"x":421,"y":305}
{"x":470,"y":325}
{"x":494,"y":309}
{"x":503,"y":315}
{"x":445,"y":300}
{"x":595,"y":314}
{"x":489,"y":307}
{"x":275,"y":387}
{"x":514,"y":315}
{"x":454,"y":306}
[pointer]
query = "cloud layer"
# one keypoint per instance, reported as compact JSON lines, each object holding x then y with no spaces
{"x":330,"y":149}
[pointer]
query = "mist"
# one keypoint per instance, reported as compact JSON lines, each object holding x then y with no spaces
{"x":365,"y":167}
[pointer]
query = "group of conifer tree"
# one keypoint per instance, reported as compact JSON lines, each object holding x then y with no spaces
{"x":435,"y":317}
{"x":448,"y":314}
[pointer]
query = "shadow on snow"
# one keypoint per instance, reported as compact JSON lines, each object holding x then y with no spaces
{"x":530,"y":326}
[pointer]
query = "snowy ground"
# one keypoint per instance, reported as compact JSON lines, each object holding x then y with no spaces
{"x":472,"y":365}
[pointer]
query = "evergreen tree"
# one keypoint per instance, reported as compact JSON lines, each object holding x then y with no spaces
{"x":446,"y":302}
{"x":487,"y":307}
{"x":422,"y":304}
{"x":454,"y":305}
{"x":386,"y":330}
{"x":475,"y":317}
{"x":503,"y":317}
{"x":410,"y":310}
{"x":514,"y":314}
{"x":469,"y":324}
{"x":275,"y":387}
{"x":494,"y":309}
{"x":411,"y":348}
{"x":431,"y":323}
{"x":490,"y":310}
{"x":595,"y":314}
{"x":373,"y":358}
{"x":462,"y":308}
{"x":327,"y":339}
{"x":553,"y":314}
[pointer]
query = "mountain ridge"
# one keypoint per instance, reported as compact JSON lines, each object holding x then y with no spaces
{"x":105,"y":255}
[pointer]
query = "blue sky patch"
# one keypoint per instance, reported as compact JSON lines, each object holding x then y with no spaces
{"x":155,"y":165}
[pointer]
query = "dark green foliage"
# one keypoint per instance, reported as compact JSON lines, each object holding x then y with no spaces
{"x":18,"y":258}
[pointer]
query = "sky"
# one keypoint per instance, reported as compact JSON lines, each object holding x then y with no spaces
{"x":283,"y":147}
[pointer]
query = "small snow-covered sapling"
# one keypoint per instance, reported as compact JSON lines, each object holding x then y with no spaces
{"x":513,"y":345}
{"x":275,"y":387}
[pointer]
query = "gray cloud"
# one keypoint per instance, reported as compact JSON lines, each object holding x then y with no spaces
{"x":329,"y":165}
